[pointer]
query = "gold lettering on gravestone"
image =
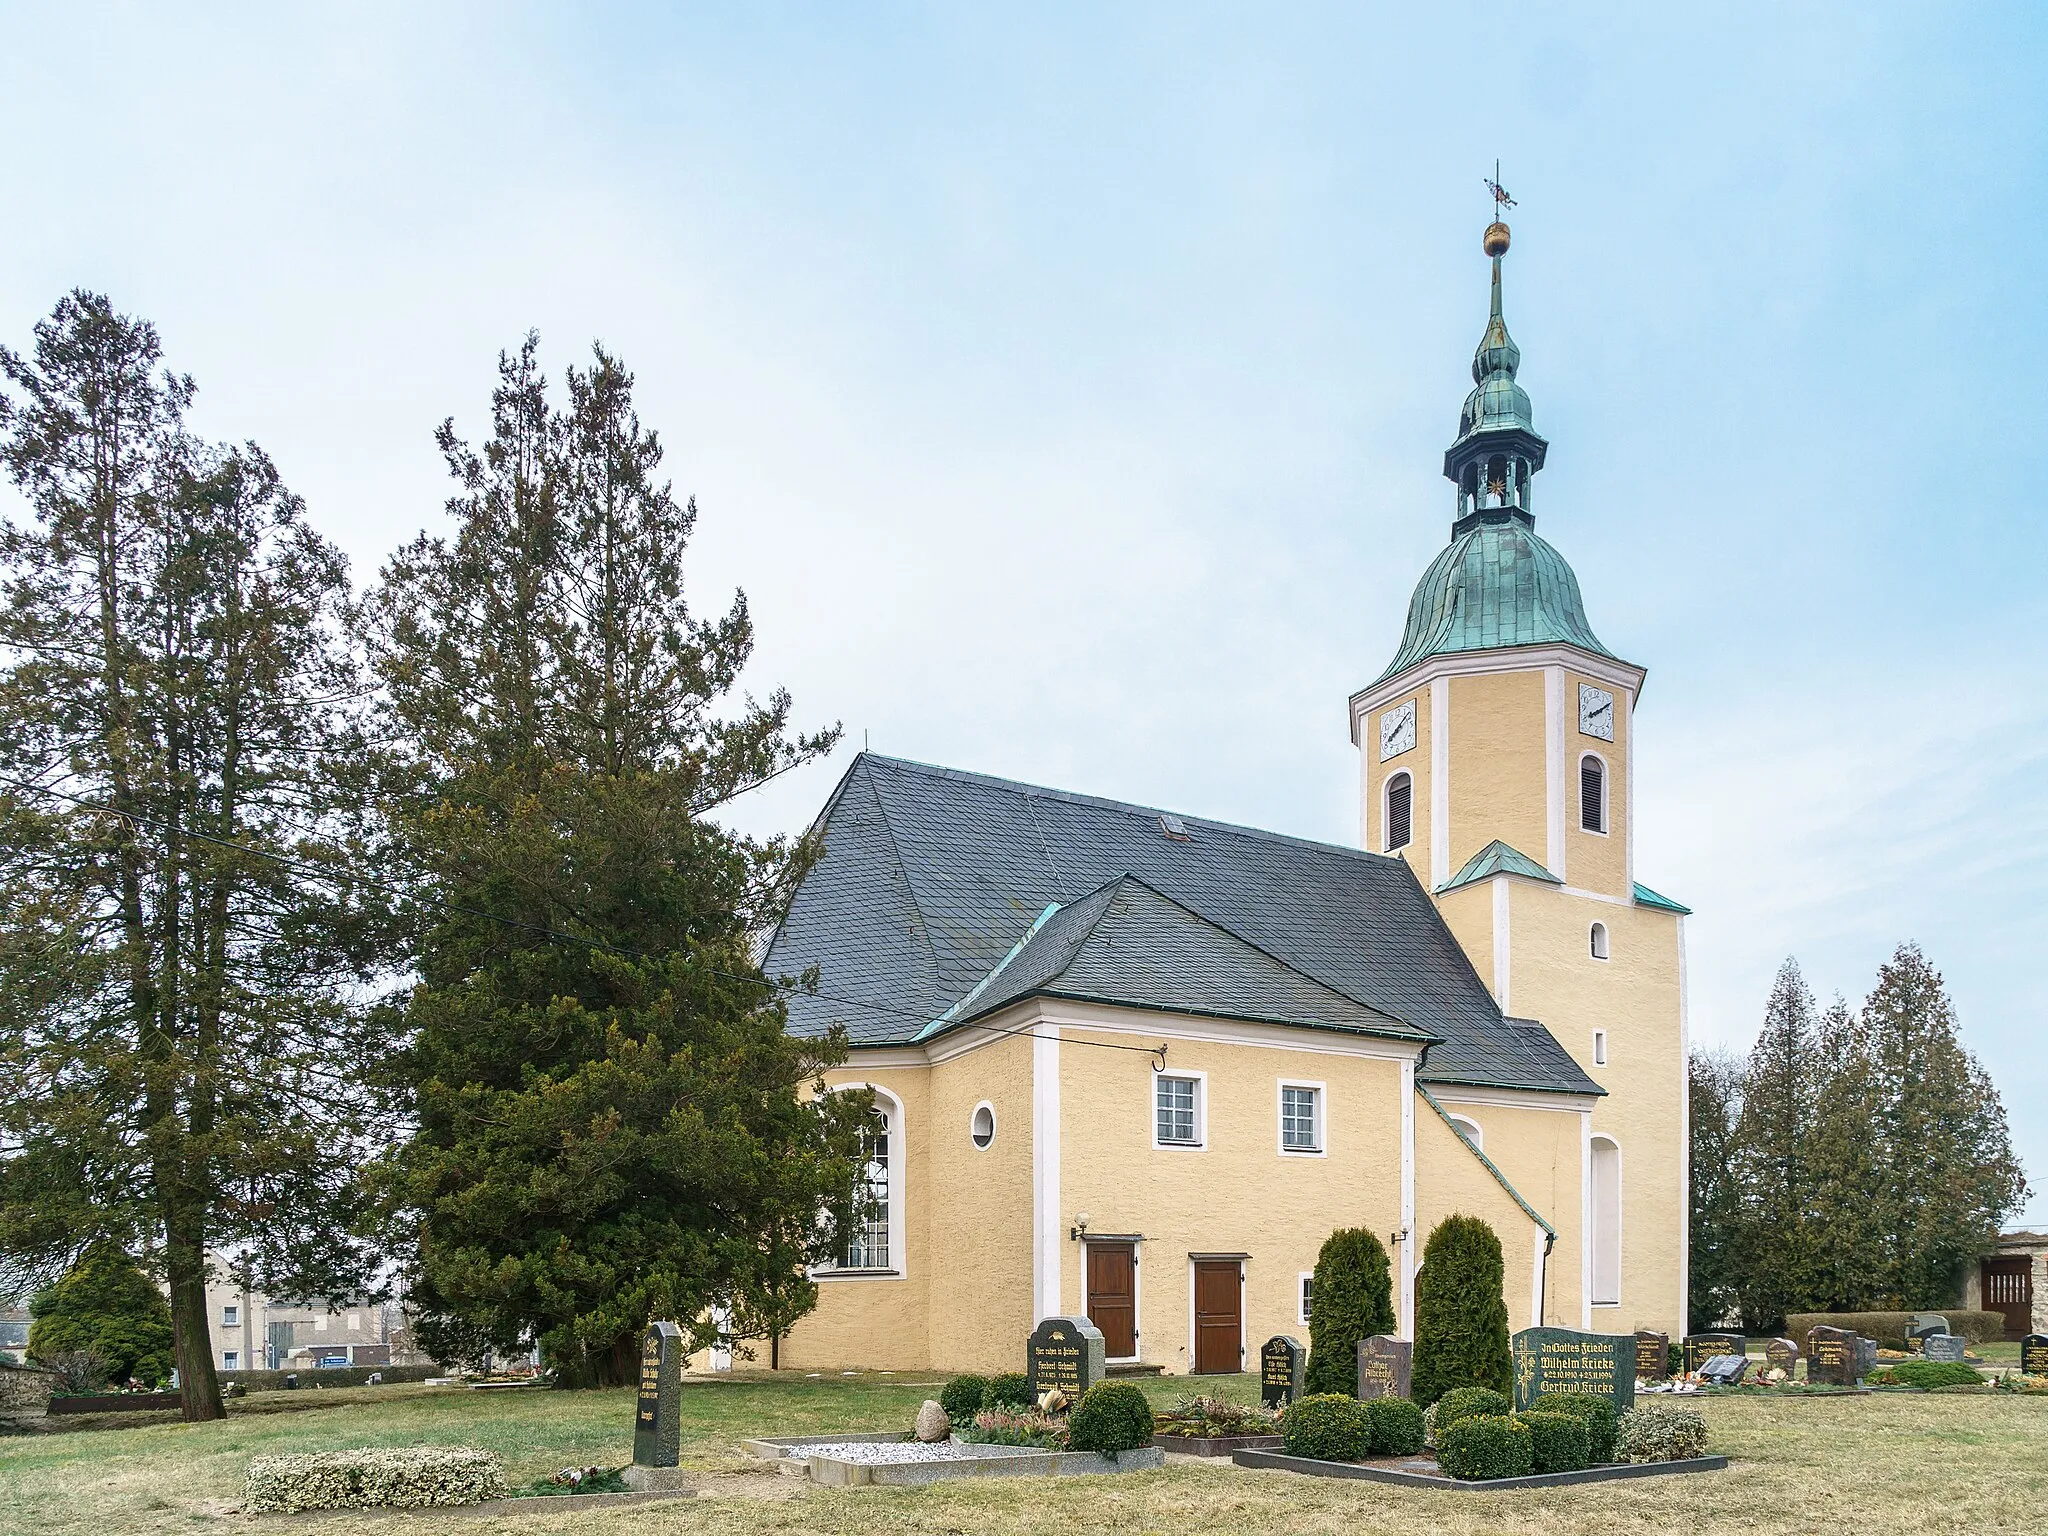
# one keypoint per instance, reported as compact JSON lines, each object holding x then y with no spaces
{"x":650,"y":1377}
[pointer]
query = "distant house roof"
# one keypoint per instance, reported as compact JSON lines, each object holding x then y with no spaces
{"x":1497,"y":858}
{"x":930,"y":878}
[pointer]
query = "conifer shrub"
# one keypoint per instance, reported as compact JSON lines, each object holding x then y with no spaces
{"x":1009,"y":1389}
{"x":1596,"y":1412}
{"x":1461,"y":1313}
{"x":1660,"y":1432}
{"x":1353,"y":1299}
{"x":1486,"y":1445}
{"x":1328,"y":1426}
{"x":963,"y":1397}
{"x":1558,"y":1442}
{"x":106,"y":1304}
{"x":1464,"y":1402}
{"x":1395,"y":1425}
{"x":1927,"y":1373}
{"x":1112,"y":1416}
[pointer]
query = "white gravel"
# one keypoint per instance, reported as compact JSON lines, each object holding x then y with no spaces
{"x":900,"y":1451}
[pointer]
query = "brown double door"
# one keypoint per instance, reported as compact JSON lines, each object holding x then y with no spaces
{"x":1219,"y":1317}
{"x":2008,"y":1286}
{"x":1113,"y":1297}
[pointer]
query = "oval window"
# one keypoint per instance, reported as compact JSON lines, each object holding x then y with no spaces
{"x":983,"y":1126}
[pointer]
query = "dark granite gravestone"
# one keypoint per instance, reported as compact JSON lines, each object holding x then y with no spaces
{"x":1832,"y":1358}
{"x":1064,"y":1352}
{"x":1561,"y":1360}
{"x":658,"y":1412}
{"x":1385,"y":1365}
{"x":1702,"y":1347}
{"x":1724,"y":1370}
{"x":1866,"y":1356}
{"x":1282,"y":1363}
{"x":1781,"y":1355}
{"x":1653,"y":1356}
{"x":2034,"y":1355}
{"x":1943,"y":1346}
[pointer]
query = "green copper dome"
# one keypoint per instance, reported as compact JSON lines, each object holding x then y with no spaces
{"x":1495,"y":585}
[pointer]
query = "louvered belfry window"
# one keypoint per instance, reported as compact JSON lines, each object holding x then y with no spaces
{"x":1400,"y":796}
{"x":1592,"y":795}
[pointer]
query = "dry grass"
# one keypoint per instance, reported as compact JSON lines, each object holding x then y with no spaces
{"x":1898,"y":1464}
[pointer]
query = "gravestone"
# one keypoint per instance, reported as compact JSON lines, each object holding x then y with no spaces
{"x":1385,"y":1365}
{"x":1653,"y":1356}
{"x":1702,"y":1347}
{"x":1943,"y":1346}
{"x":1866,"y":1356}
{"x":1724,"y":1370}
{"x":1282,"y":1363}
{"x":2034,"y":1355}
{"x":1832,"y":1358}
{"x":1563,"y":1360}
{"x":1781,"y":1355}
{"x":1064,"y":1353}
{"x":658,"y":1412}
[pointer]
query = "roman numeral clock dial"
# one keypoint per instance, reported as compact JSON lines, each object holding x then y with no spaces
{"x":1596,"y":712}
{"x":1397,"y":729}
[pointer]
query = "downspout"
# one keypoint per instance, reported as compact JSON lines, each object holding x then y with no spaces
{"x":1549,"y":1232}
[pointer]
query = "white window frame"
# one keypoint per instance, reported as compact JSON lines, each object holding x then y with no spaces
{"x":1606,"y":795}
{"x":1592,"y":1173}
{"x":1387,"y":811}
{"x":1600,"y":942}
{"x":984,"y":1104}
{"x":891,"y":1109}
{"x":1599,"y":1047}
{"x":231,"y":1360}
{"x":230,"y":1316}
{"x":1201,"y":1082}
{"x":1303,"y":1283}
{"x":1473,"y":1131}
{"x":1322,"y":1146}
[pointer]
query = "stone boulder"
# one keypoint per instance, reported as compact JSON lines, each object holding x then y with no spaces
{"x":932,"y":1423}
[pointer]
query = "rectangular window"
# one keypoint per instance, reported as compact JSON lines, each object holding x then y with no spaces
{"x":1308,"y":1288}
{"x":1177,"y":1122}
{"x":1599,"y":1047}
{"x":231,"y":1317}
{"x":354,"y":1321}
{"x":230,"y":1360}
{"x":320,"y":1322}
{"x":1301,"y":1118}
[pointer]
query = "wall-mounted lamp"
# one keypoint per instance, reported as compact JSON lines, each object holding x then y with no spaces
{"x":1079,"y":1230}
{"x":1398,"y":1238}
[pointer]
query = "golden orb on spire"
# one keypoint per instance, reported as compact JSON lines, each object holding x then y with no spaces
{"x":1496,"y":239}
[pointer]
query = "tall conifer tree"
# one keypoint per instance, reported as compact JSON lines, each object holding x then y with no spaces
{"x":1772,"y":1184}
{"x":1714,"y":1083}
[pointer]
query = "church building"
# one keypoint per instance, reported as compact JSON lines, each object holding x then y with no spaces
{"x":1139,"y":1065}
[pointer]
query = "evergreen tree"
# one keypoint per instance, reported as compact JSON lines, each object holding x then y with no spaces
{"x":1772,"y":1186}
{"x":1714,"y":1083}
{"x":611,"y":1123}
{"x":1352,"y":1299}
{"x":1461,"y":1312}
{"x":1845,"y":1222}
{"x":1949,"y":1177}
{"x":181,"y":1025}
{"x":106,"y":1304}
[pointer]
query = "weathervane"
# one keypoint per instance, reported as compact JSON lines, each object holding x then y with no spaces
{"x":1500,"y":193}
{"x":1496,"y":240}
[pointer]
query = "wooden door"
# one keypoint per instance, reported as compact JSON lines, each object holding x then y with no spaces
{"x":1113,"y":1297}
{"x":2008,"y":1286}
{"x":1219,"y":1319}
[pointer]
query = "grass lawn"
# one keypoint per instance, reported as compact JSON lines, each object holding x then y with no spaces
{"x":1900,"y":1464}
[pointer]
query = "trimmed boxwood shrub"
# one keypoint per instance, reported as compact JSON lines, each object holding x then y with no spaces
{"x":1558,"y":1442}
{"x":1353,"y":1299}
{"x":1464,"y":1402}
{"x":1395,"y":1425}
{"x":963,"y":1397}
{"x":1011,"y":1389}
{"x":1461,"y":1313}
{"x":1928,"y":1373}
{"x":379,"y":1477}
{"x":1329,"y":1426}
{"x":1597,"y":1412}
{"x":1486,"y":1445}
{"x":1660,"y":1432}
{"x":1112,"y":1416}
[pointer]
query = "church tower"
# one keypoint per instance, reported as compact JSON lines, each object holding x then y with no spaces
{"x":1497,"y":757}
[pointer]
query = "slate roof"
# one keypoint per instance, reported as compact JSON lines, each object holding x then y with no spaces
{"x":1497,"y":858}
{"x":930,"y":877}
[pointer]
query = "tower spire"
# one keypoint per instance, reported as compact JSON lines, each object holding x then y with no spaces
{"x":1497,"y":449}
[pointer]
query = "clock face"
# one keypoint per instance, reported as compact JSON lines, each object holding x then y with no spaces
{"x":1397,"y":730}
{"x":1596,"y":712}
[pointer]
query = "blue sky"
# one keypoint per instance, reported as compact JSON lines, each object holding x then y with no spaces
{"x":1068,"y":386}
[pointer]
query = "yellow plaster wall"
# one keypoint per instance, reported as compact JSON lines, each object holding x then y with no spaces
{"x":1593,"y":862}
{"x":1497,"y":765}
{"x":979,"y":1210}
{"x":1540,"y":1153}
{"x":1468,"y":913}
{"x":1415,"y":762}
{"x":1239,"y":1193}
{"x":1634,"y":996}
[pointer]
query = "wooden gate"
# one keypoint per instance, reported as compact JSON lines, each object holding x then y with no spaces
{"x":2008,"y":1286}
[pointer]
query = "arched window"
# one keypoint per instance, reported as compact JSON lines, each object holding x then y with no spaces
{"x":867,"y":1243}
{"x":1592,"y":793}
{"x":1599,"y":941}
{"x":1606,"y":1222}
{"x":981,"y":1126}
{"x":1400,"y":806}
{"x":1469,"y":1129}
